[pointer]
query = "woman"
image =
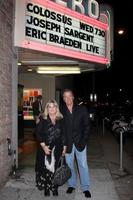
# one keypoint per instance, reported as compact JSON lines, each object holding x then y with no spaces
{"x":52,"y":145}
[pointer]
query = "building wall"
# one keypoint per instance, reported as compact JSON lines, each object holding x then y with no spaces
{"x":63,"y":82}
{"x":6,"y":29}
{"x":47,"y":84}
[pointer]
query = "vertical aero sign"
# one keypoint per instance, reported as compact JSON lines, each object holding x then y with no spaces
{"x":46,"y":26}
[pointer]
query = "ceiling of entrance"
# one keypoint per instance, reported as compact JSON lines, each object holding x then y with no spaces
{"x":30,"y":61}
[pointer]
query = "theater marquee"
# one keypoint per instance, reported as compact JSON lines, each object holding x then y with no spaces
{"x":49,"y":27}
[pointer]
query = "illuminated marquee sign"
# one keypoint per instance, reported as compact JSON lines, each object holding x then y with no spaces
{"x":86,"y":7}
{"x":52,"y":28}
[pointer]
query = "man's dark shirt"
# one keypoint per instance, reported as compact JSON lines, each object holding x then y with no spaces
{"x":76,"y":127}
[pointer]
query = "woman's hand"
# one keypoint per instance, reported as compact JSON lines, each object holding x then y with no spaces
{"x":46,"y":150}
{"x":64,"y":151}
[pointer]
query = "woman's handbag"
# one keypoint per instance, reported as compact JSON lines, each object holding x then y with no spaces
{"x":62,"y":173}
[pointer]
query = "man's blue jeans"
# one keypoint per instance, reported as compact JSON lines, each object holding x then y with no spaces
{"x":82,"y":166}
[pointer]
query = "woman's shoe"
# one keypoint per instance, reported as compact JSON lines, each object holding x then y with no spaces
{"x":46,"y":192}
{"x":55,"y":193}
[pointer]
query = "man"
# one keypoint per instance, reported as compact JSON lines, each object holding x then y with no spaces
{"x":76,"y":128}
{"x":37,"y":107}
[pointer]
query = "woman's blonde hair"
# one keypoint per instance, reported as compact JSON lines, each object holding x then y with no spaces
{"x":58,"y":113}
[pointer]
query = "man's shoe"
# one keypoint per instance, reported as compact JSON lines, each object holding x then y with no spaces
{"x":70,"y":190}
{"x":87,"y":194}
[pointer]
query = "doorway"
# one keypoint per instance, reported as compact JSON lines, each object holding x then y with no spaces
{"x":29,"y":83}
{"x":26,"y":128}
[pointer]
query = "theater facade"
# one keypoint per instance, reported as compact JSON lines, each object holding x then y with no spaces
{"x":41,"y":42}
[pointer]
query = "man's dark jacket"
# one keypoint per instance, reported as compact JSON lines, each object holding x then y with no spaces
{"x":35,"y":107}
{"x":76,"y":127}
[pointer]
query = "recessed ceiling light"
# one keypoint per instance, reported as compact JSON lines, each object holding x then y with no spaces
{"x":29,"y":70}
{"x":55,"y":68}
{"x":19,"y":64}
{"x":58,"y":70}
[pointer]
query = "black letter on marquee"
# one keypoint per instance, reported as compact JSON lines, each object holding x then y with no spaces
{"x":30,"y":21}
{"x":28,"y":31}
{"x":28,"y":7}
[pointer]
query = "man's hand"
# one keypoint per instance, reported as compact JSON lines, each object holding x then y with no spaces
{"x":37,"y":120}
{"x":64,"y":151}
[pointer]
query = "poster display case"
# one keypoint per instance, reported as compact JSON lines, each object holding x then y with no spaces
{"x":29,"y":96}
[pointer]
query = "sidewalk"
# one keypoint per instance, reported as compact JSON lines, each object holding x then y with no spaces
{"x":123,"y":180}
{"x":24,"y":188}
{"x":103,"y":154}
